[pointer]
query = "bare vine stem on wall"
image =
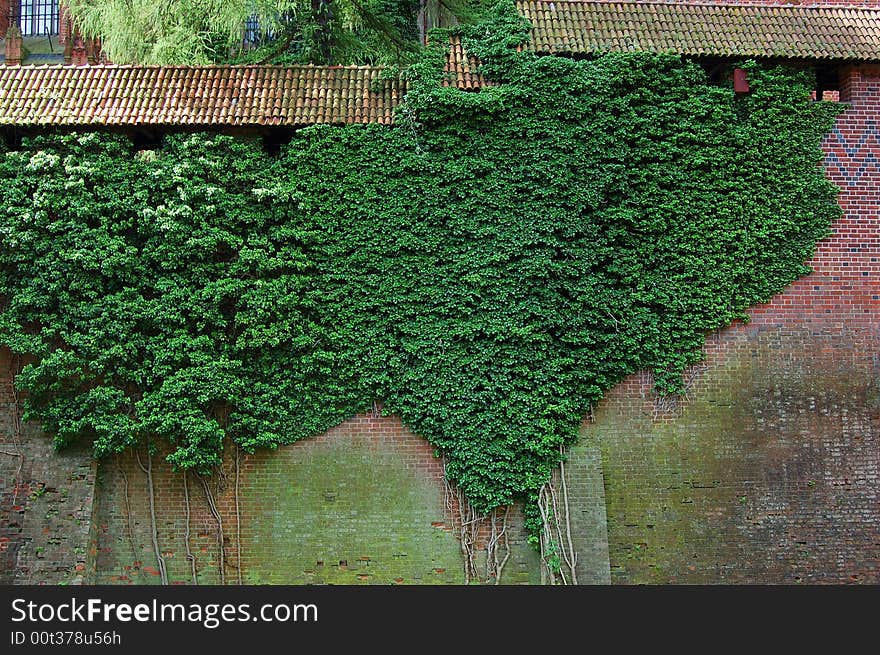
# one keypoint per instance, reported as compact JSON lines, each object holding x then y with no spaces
{"x":497,"y":543}
{"x":558,"y":553}
{"x":14,"y":367}
{"x":470,"y":523}
{"x":468,"y":528}
{"x":154,"y":531}
{"x":571,"y":554}
{"x":220,"y":540}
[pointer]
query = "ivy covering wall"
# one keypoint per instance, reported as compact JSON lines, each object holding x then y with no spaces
{"x":487,"y":268}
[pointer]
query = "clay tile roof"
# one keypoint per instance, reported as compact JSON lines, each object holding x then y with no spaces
{"x":305,"y":95}
{"x":198,"y":96}
{"x":461,"y":69}
{"x":784,"y":31}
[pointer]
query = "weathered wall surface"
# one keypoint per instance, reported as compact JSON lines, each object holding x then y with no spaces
{"x":4,"y":17}
{"x":768,"y":471}
{"x":364,"y":503}
{"x":45,"y":500}
{"x":587,"y":512}
{"x":768,"y":474}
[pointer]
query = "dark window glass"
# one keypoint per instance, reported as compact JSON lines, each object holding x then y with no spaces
{"x":252,"y":31}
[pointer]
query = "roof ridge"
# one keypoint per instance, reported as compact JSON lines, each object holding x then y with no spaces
{"x":756,"y":4}
{"x":203,"y":67}
{"x":697,"y":28}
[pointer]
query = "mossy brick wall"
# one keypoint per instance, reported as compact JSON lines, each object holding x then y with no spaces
{"x":586,"y":493}
{"x":363,"y":503}
{"x":45,"y":501}
{"x":768,"y":470}
{"x":767,"y":474}
{"x":123,"y":526}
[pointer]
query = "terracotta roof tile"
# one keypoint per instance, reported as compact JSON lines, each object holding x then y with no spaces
{"x":198,"y":96}
{"x":304,"y":95}
{"x":460,"y":69}
{"x":784,"y":31}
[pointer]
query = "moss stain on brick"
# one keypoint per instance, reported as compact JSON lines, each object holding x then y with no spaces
{"x":345,"y":514}
{"x":765,"y":476}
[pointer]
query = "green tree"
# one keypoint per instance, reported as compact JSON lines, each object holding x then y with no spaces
{"x":172,"y":32}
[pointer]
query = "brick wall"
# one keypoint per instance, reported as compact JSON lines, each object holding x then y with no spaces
{"x":64,"y":25}
{"x":363,"y":503}
{"x":768,"y":471}
{"x":4,"y":17}
{"x":45,"y":501}
{"x":587,"y":515}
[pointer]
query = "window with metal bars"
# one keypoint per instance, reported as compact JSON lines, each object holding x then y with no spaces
{"x":254,"y":35}
{"x":38,"y":17}
{"x":251,"y":31}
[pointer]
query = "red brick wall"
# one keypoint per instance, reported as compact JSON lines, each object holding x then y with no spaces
{"x":768,"y":470}
{"x":4,"y":17}
{"x":362,"y":503}
{"x":63,"y":24}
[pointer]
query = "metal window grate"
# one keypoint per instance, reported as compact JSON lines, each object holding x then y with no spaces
{"x":252,"y":31}
{"x":254,"y":35}
{"x":38,"y":17}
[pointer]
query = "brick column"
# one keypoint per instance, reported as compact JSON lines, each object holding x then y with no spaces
{"x":78,"y":53}
{"x":64,"y":25}
{"x":4,"y":17}
{"x":14,"y":46}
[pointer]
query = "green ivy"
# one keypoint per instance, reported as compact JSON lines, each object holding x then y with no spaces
{"x":489,"y":268}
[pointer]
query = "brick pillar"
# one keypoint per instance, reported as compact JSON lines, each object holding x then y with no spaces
{"x":858,"y":84}
{"x":78,"y":53}
{"x":93,"y":51}
{"x":68,"y":52}
{"x":14,"y":46}
{"x":4,"y":17}
{"x":64,"y":26}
